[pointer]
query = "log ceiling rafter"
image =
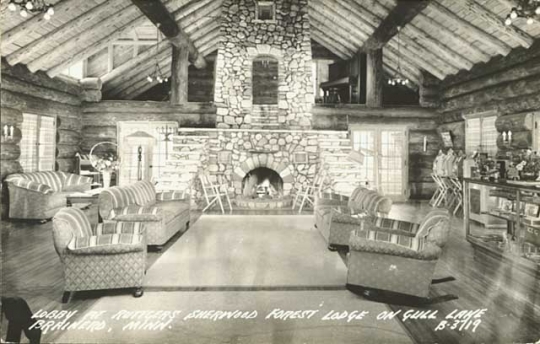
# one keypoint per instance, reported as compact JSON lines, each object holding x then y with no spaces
{"x":29,"y":26}
{"x":517,"y":35}
{"x":67,"y":49}
{"x":184,"y":13}
{"x":114,"y":86}
{"x":494,"y":42}
{"x":399,"y":16}
{"x":84,"y":20}
{"x":160,"y":15}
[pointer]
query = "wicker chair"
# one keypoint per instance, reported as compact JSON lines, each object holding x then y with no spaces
{"x":337,"y":222}
{"x":107,"y":256}
{"x":397,"y":256}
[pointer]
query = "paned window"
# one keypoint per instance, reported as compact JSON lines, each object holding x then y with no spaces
{"x":38,"y":143}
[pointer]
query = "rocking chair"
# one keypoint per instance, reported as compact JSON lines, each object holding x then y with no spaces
{"x":213,"y":193}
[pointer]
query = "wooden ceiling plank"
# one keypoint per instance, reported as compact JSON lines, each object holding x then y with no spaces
{"x":64,"y":50}
{"x":158,"y":14}
{"x":34,"y":23}
{"x":456,"y":39}
{"x":499,"y":46}
{"x":340,"y":52}
{"x":330,"y":34}
{"x":94,"y":47}
{"x":399,"y":16}
{"x":217,"y":39}
{"x":369,"y":17}
{"x":341,"y":17}
{"x":341,"y":29}
{"x":26,"y":52}
{"x":213,"y":26}
{"x":406,"y":67}
{"x":417,"y":59}
{"x":435,"y":45}
{"x":209,"y":36}
{"x":365,"y":21}
{"x":513,"y":32}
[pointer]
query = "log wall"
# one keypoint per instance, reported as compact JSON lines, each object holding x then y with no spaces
{"x":509,"y":85}
{"x":420,"y":122}
{"x":99,"y":120}
{"x":24,"y":92}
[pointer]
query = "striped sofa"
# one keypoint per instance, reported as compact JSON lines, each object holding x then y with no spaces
{"x":40,"y":195}
{"x":107,"y":256}
{"x":336,"y":217}
{"x":397,"y":256}
{"x":164,"y":213}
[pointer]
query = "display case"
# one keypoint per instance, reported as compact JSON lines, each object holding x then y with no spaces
{"x":517,"y":204}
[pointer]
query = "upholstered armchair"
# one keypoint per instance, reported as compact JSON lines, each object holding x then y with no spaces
{"x":106,"y":256}
{"x":397,"y":256}
{"x":39,"y":195}
{"x":337,"y":222}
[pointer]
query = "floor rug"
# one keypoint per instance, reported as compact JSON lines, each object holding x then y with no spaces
{"x":248,"y":251}
{"x":267,"y":325}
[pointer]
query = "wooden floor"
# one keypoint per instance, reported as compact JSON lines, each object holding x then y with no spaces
{"x":31,"y":269}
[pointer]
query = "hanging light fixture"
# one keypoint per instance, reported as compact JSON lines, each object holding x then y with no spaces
{"x":31,"y":6}
{"x":398,"y":79}
{"x":157,"y":74}
{"x":527,"y":9}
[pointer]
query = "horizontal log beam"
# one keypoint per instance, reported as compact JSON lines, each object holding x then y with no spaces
{"x":18,"y":86}
{"x":526,"y":70}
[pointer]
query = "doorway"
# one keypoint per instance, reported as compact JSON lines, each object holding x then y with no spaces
{"x":385,"y":152}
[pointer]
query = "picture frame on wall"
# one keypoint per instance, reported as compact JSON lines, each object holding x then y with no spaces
{"x":447,"y":139}
{"x":506,"y":205}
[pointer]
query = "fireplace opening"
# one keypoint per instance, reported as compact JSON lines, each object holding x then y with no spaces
{"x":262,"y":183}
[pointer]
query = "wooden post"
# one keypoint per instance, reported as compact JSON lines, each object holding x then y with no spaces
{"x":374,"y":76}
{"x":179,"y":75}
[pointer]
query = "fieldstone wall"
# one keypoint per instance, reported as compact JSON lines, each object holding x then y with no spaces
{"x":287,"y":39}
{"x":228,"y":155}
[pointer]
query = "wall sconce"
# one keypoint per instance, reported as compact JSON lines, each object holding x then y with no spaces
{"x":166,"y":131}
{"x":7,"y":131}
{"x":507,"y":137}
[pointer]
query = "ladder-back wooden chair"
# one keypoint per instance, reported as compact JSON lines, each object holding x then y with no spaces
{"x":309,"y":193}
{"x":213,"y":193}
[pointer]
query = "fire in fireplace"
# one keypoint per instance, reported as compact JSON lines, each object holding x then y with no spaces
{"x":262,"y":182}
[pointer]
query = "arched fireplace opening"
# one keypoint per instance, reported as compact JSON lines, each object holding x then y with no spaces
{"x":262,"y":182}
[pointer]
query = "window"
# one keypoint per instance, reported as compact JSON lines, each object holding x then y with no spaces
{"x":76,"y":70}
{"x":481,"y":133}
{"x":385,"y":156}
{"x":266,"y":11}
{"x":160,"y":151}
{"x":38,"y":143}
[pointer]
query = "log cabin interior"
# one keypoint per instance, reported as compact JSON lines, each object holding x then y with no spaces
{"x":278,"y":171}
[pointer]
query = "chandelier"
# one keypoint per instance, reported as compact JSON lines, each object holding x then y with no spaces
{"x":399,"y":79}
{"x":33,"y":6}
{"x":157,"y":74}
{"x":528,"y":9}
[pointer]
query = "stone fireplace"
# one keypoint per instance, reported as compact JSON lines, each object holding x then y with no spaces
{"x":282,"y":45}
{"x":263,"y":183}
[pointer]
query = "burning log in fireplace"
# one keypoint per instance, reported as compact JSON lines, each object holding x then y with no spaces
{"x":262,"y":183}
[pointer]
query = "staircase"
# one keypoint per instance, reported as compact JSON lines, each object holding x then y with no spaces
{"x":265,"y":117}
